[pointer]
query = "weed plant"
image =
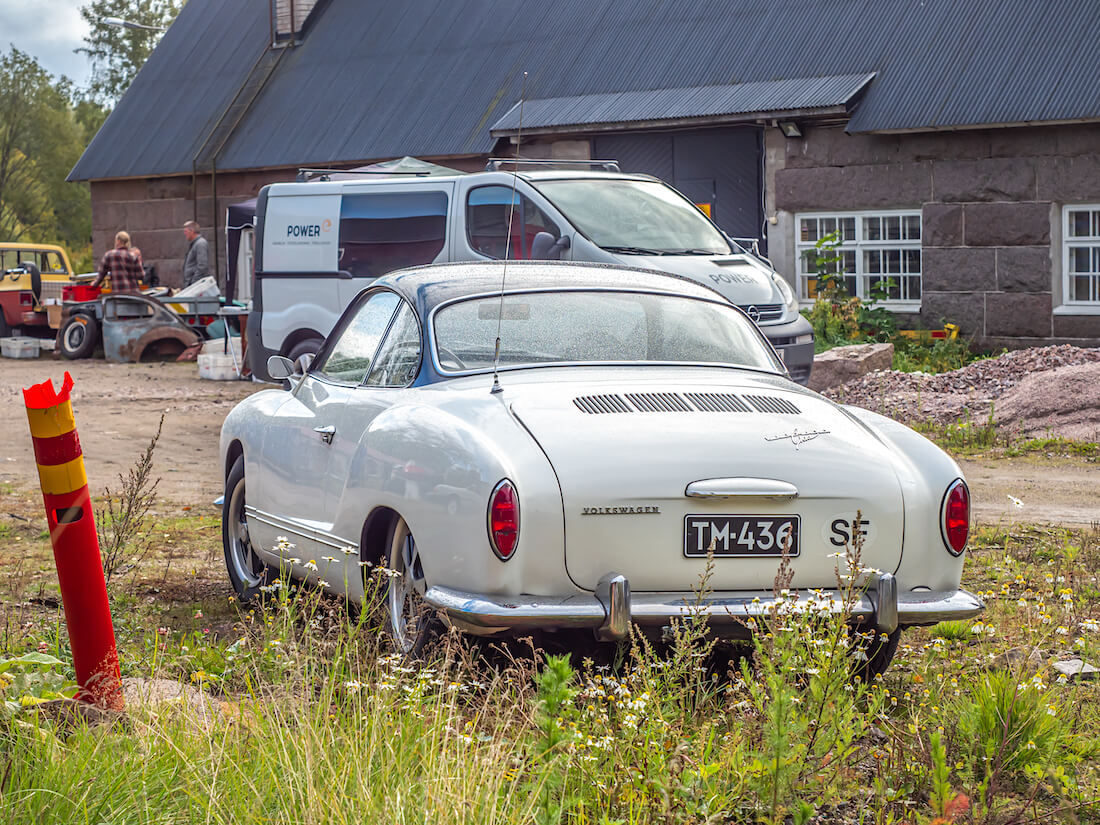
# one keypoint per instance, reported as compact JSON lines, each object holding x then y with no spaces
{"x":295,"y":712}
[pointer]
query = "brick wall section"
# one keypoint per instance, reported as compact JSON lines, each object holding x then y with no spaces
{"x":991,"y":205}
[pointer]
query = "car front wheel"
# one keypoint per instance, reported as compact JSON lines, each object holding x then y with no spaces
{"x":247,"y":572}
{"x":410,"y":623}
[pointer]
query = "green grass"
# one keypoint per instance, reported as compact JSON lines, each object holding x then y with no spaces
{"x":311,"y":721}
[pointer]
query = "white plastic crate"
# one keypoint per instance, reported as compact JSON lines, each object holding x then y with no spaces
{"x":217,"y":366}
{"x":20,"y":347}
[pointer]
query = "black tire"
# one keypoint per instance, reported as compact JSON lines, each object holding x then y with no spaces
{"x":247,"y":572}
{"x":310,"y":346}
{"x":879,"y":656}
{"x":77,"y":337}
{"x":5,"y":328}
{"x":410,"y":624}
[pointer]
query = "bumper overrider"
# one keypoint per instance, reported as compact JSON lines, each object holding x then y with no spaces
{"x":612,"y":609}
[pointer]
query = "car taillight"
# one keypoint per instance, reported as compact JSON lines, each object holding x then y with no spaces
{"x":25,"y":299}
{"x":504,"y":520}
{"x":955,"y":521}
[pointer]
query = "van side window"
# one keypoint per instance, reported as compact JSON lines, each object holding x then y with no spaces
{"x":352,"y":352}
{"x":487,"y":209}
{"x":385,"y":231}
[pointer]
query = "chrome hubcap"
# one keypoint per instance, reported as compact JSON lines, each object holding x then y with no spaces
{"x":246,"y":563}
{"x":406,"y":589}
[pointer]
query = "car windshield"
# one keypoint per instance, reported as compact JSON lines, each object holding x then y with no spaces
{"x":596,"y":327}
{"x":635,"y":217}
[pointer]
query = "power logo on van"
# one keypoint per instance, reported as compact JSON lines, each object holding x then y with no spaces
{"x":308,"y":230}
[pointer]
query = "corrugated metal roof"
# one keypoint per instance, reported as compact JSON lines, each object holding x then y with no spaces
{"x":178,"y":96}
{"x":806,"y":94}
{"x":376,"y":79}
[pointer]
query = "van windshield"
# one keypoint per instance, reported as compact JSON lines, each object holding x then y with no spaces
{"x":635,"y":217}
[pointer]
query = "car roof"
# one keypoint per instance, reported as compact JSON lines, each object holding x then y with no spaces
{"x":45,"y":247}
{"x":426,"y":287}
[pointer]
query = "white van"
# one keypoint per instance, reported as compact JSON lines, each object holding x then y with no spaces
{"x":319,"y":243}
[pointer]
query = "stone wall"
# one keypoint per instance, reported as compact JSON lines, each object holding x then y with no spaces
{"x":991,"y":204}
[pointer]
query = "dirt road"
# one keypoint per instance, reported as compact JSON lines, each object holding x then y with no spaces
{"x":118,"y":405}
{"x":117,"y":408}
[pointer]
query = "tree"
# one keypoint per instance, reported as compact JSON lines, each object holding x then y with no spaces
{"x":118,"y":53}
{"x":41,"y":137}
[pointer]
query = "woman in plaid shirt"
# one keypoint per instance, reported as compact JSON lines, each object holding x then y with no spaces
{"x":122,"y":266}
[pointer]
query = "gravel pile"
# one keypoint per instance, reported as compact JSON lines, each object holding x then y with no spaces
{"x":979,"y":387}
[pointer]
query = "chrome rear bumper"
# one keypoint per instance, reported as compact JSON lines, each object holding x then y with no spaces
{"x":612,"y":608}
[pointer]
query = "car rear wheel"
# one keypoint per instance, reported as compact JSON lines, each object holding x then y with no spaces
{"x":247,"y":572}
{"x":410,"y":623}
{"x":77,"y":337}
{"x":879,"y":654}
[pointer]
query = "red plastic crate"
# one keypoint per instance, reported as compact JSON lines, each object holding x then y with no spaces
{"x":80,"y":292}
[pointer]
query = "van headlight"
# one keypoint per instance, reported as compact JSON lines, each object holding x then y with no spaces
{"x":785,"y":290}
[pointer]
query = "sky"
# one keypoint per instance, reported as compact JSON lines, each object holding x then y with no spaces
{"x":48,"y":30}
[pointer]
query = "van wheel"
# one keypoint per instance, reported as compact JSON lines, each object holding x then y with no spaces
{"x":77,"y":337}
{"x":297,"y":353}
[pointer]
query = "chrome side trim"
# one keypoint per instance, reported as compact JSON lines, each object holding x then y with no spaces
{"x":741,"y":488}
{"x":298,"y":529}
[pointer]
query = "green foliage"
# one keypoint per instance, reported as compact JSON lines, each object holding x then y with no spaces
{"x":964,"y":434}
{"x":839,"y":318}
{"x":118,"y":53}
{"x":952,"y":631}
{"x":931,"y":355}
{"x":41,"y":138}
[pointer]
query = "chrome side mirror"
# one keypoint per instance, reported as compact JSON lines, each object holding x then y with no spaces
{"x":280,"y":367}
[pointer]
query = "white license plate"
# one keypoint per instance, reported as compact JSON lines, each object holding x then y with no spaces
{"x":740,"y":536}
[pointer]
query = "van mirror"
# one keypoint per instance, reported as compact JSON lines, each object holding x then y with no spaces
{"x":545,"y":247}
{"x":280,"y":367}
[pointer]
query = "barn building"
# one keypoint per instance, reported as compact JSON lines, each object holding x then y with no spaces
{"x":953,"y":146}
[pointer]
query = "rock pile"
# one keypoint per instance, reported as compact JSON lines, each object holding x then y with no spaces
{"x":1034,"y":391}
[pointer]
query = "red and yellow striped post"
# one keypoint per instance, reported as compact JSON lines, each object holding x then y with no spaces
{"x":75,"y":544}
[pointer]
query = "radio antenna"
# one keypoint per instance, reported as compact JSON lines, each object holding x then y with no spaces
{"x":508,"y":239}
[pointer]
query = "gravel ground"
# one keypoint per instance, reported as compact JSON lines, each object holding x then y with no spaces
{"x":1045,"y":390}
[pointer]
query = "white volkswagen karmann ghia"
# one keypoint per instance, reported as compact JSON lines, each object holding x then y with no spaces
{"x":635,"y":422}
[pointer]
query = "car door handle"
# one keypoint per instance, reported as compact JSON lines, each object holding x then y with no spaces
{"x":741,"y":488}
{"x":326,"y":433}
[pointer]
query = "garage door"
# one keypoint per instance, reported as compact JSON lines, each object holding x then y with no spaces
{"x":720,"y":167}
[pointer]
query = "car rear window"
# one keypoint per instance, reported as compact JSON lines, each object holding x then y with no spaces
{"x":596,"y":326}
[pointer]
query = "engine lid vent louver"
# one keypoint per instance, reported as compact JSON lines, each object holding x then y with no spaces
{"x":770,"y":404}
{"x":717,"y":402}
{"x":687,"y":402}
{"x":597,"y":404}
{"x":658,"y":402}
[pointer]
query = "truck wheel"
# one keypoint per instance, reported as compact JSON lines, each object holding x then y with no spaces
{"x":297,"y":353}
{"x":5,"y":329}
{"x":77,"y":337}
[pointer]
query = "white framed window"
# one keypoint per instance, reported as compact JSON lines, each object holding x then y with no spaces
{"x":1081,"y":255}
{"x":877,"y":249}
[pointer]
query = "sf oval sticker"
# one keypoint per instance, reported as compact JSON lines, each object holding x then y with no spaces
{"x":842,"y":529}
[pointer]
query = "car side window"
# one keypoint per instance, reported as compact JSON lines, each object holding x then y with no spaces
{"x":399,"y":356}
{"x":487,"y":209}
{"x":352,"y":352}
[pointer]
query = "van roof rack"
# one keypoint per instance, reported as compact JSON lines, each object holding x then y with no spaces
{"x":306,"y":174}
{"x":494,"y":164}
